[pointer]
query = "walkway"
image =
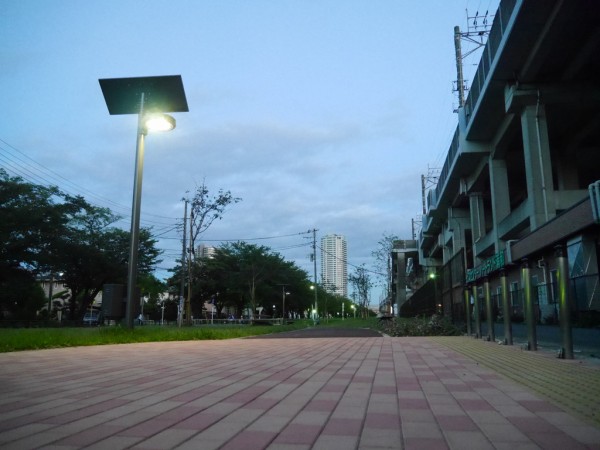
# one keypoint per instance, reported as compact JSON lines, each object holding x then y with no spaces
{"x":322,"y":393}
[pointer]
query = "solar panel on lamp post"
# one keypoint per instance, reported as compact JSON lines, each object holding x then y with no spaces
{"x":149,"y":98}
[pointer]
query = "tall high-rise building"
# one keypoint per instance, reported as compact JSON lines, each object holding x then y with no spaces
{"x":334,"y":264}
{"x":205,"y":251}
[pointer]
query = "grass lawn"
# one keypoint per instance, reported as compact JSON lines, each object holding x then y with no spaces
{"x":16,"y":339}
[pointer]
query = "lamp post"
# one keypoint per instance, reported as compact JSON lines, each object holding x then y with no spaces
{"x":437,"y":306}
{"x":149,"y":98}
{"x":354,"y":310}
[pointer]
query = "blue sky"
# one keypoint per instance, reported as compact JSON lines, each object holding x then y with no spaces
{"x":318,"y":114}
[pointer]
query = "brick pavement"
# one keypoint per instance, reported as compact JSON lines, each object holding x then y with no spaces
{"x":320,"y":393}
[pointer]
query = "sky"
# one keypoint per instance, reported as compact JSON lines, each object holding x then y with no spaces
{"x":318,"y":114}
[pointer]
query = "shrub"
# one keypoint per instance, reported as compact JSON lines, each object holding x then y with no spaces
{"x":434,"y":325}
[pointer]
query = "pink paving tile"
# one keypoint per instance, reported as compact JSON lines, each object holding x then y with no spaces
{"x":556,"y":441}
{"x":413,"y":403}
{"x":321,"y":405}
{"x":425,"y":444}
{"x":539,"y":406}
{"x":298,"y":434}
{"x":334,"y":388}
{"x":89,"y":436}
{"x":382,"y":421}
{"x":479,"y":384}
{"x":532,"y":424}
{"x":192,"y":394}
{"x":456,"y":423}
{"x":247,"y":439}
{"x":199,"y":421}
{"x":262,"y":403}
{"x":409,"y":387}
{"x":148,"y":428}
{"x":474,"y":405}
{"x":458,"y":387}
{"x":384,"y":389}
{"x":343,"y":427}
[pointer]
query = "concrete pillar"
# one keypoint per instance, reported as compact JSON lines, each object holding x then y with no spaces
{"x":499,"y":189}
{"x":528,"y":305}
{"x":400,"y":279}
{"x":564,"y":302}
{"x":506,"y":309}
{"x":538,"y":165}
{"x":476,"y":312}
{"x":489,"y":310}
{"x":477,"y":211}
{"x":467,"y":294}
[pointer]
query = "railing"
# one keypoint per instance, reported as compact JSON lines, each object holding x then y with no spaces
{"x":497,"y":31}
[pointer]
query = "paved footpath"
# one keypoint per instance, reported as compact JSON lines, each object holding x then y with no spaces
{"x":292,"y":393}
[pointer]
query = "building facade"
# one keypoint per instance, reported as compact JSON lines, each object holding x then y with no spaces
{"x":517,"y":197}
{"x":334,"y":264}
{"x":205,"y":251}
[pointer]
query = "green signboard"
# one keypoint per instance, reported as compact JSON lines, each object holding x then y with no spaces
{"x":489,"y":266}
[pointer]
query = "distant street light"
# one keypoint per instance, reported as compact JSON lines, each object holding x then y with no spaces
{"x":353,"y":309}
{"x":149,"y":98}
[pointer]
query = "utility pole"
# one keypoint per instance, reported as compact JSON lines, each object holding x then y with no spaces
{"x":315,"y":267}
{"x":460,"y":82}
{"x":188,"y":303}
{"x":478,"y":28}
{"x":182,"y":290}
{"x":423,"y":193}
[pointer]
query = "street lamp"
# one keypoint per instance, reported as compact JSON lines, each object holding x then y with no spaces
{"x":354,"y":310}
{"x":438,"y":306}
{"x":149,"y":98}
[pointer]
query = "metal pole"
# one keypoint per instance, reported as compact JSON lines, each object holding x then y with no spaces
{"x":460,"y":83}
{"x":489,"y":310}
{"x":50,"y":289}
{"x":188,"y":300}
{"x":506,"y":307}
{"x":135,"y":217}
{"x":468,"y":310}
{"x":564,"y":300}
{"x":476,"y":312}
{"x":282,"y":303}
{"x":528,"y":304}
{"x":183,"y":268}
{"x":315,"y":270}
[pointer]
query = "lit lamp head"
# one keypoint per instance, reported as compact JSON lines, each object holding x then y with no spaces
{"x":158,"y":122}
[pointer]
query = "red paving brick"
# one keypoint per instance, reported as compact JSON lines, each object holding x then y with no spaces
{"x":297,"y":393}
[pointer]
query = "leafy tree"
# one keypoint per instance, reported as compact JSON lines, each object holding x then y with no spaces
{"x":45,"y":231}
{"x":31,"y":222}
{"x":151,"y":289}
{"x":383,"y":263}
{"x":205,"y":209}
{"x":241,"y":275}
{"x":21,"y":296}
{"x":361,"y":282}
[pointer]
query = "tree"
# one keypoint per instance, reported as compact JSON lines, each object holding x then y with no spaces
{"x":241,"y":275}
{"x":45,"y":231}
{"x":383,"y":263}
{"x":361,"y":282}
{"x":30,"y":225}
{"x":205,"y":209}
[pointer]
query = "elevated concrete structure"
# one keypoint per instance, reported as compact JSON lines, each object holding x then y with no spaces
{"x":525,"y":151}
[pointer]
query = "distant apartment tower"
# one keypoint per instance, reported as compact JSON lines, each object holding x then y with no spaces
{"x":205,"y":251}
{"x":334,"y":264}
